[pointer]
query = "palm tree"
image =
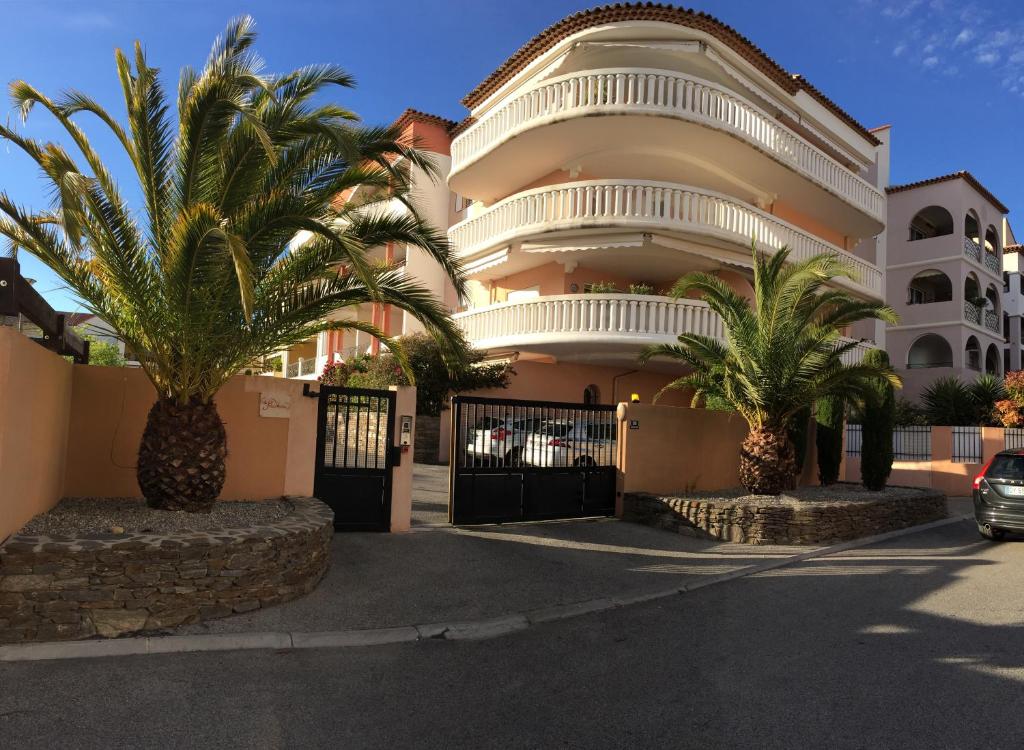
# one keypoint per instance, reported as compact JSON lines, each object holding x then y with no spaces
{"x":780,"y":355}
{"x":206,"y":278}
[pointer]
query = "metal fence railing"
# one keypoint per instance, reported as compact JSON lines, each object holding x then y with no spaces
{"x":967,"y":445}
{"x":1013,"y":438}
{"x":912,"y":443}
{"x":854,"y":437}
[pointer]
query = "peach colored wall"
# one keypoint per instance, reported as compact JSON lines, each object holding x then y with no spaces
{"x":401,"y":477}
{"x":565,"y":381}
{"x":673,"y":449}
{"x":941,"y":472}
{"x":267,"y":456}
{"x":35,"y":395}
{"x":429,"y":136}
{"x":805,"y":222}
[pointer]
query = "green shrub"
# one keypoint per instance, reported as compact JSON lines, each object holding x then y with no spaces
{"x":601,"y":287}
{"x":878,"y":418}
{"x":909,"y":414}
{"x":641,"y":289}
{"x":434,"y":381}
{"x":948,"y":401}
{"x":829,"y":437}
{"x":986,"y":392}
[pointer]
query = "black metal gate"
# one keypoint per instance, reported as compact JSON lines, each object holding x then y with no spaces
{"x":354,"y":456}
{"x":514,"y":460}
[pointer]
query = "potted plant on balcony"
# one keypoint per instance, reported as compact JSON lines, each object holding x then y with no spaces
{"x":779,"y":356}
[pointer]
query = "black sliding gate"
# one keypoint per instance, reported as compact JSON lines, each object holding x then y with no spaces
{"x":354,"y":456}
{"x":515,"y":460}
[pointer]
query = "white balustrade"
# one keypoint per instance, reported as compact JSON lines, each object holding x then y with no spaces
{"x":647,"y":205}
{"x":575,"y":317}
{"x":583,"y":315}
{"x":642,"y":91}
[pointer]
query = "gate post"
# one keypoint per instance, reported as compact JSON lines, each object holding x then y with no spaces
{"x":401,"y":475}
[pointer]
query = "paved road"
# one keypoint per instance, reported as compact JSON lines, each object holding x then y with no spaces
{"x":915,"y":643}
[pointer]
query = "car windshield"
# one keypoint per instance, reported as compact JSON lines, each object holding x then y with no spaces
{"x":1006,"y":467}
{"x":554,"y":429}
{"x":489,"y":423}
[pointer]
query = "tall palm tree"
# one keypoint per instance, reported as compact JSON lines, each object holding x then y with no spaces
{"x":780,"y":355}
{"x":207,"y":277}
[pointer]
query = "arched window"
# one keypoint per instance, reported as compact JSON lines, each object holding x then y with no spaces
{"x":972,"y":354}
{"x":933,"y":221}
{"x":972,"y":289}
{"x":992,"y":296}
{"x":991,"y":240}
{"x":992,"y":360}
{"x":929,"y":286}
{"x":972,"y":228}
{"x":591,"y":394}
{"x":930,"y":350}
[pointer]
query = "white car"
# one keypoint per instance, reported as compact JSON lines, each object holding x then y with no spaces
{"x":564,"y":443}
{"x":495,"y":441}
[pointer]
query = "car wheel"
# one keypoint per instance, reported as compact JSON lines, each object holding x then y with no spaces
{"x":996,"y":535}
{"x":584,"y":461}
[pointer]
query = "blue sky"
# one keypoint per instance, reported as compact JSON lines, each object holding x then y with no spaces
{"x":949,"y":76}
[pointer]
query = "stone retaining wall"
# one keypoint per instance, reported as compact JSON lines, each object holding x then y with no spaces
{"x":110,"y":585}
{"x":783,"y":524}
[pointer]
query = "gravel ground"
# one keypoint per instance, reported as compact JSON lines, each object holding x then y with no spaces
{"x":843,"y":492}
{"x":73,"y":516}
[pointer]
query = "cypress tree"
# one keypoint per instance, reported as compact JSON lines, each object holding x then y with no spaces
{"x":878,"y":421}
{"x":829,"y":437}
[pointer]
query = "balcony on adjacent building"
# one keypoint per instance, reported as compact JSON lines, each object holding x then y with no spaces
{"x":647,"y":207}
{"x":595,"y":328}
{"x":553,"y":123}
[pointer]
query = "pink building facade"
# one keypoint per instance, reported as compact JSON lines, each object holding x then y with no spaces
{"x":944,"y":279}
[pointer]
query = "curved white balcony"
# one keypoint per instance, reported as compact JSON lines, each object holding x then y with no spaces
{"x":647,"y":206}
{"x":633,"y":91}
{"x":594,"y":327}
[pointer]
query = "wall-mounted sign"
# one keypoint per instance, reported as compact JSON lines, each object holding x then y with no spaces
{"x":278,"y":405}
{"x":634,"y":424}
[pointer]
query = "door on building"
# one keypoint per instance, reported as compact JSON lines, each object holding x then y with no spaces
{"x":355,"y":457}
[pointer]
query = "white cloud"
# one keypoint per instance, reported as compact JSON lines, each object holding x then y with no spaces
{"x":963,"y":37}
{"x":930,"y":62}
{"x":987,"y":57}
{"x":899,"y":49}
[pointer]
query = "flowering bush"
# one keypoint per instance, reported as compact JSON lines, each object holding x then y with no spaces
{"x":1010,"y":413}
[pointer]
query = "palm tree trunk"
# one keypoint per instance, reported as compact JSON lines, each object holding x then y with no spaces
{"x":767,"y":461}
{"x":181,"y":456}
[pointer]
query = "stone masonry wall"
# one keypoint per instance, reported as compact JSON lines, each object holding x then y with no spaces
{"x":783,"y":524}
{"x":110,"y":585}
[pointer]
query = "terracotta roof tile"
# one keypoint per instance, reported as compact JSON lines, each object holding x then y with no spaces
{"x":1013,"y":248}
{"x":964,"y":175}
{"x":654,"y":12}
{"x":410,"y":115}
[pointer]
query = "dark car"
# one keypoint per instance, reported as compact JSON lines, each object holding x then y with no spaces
{"x":999,"y":495}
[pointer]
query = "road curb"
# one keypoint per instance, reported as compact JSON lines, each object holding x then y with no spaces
{"x":494,"y":627}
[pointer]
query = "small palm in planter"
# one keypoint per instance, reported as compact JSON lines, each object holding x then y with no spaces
{"x":201,"y":282}
{"x":780,"y":355}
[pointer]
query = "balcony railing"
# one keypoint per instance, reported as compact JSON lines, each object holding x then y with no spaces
{"x":645,"y":205}
{"x":992,"y":262}
{"x":661,"y":92}
{"x":972,"y":313}
{"x":293,"y":370}
{"x":992,"y":320}
{"x":307,"y":366}
{"x":634,"y":319}
{"x":972,"y":249}
{"x":583,"y":315}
